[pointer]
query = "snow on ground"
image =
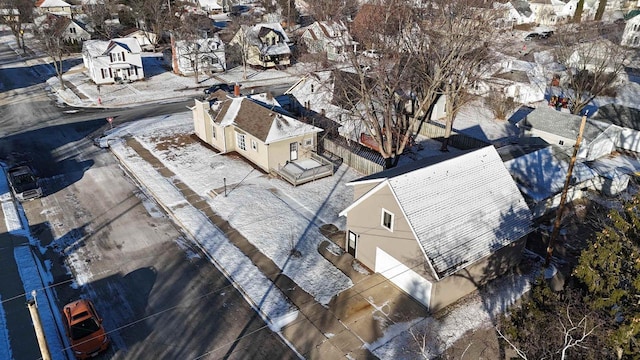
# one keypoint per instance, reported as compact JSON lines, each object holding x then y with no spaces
{"x":261,"y":292}
{"x":279,"y":212}
{"x":32,"y":279}
{"x":273,"y":215}
{"x":480,"y":310}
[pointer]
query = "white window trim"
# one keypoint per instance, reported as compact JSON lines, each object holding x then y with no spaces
{"x":254,"y":145}
{"x":382,"y":219}
{"x":242,"y":144}
{"x":308,"y":142}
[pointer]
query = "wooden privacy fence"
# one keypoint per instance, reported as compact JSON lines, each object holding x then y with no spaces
{"x":356,"y":156}
{"x":367,"y":161}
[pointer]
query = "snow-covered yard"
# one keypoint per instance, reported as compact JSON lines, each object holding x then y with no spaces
{"x":274,"y":216}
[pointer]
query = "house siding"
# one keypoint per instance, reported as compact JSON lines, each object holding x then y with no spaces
{"x":279,"y":152}
{"x":365,"y":221}
{"x":451,"y":288}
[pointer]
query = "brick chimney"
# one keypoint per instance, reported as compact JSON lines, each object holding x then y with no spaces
{"x":236,"y":90}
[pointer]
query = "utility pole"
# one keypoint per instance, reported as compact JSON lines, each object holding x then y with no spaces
{"x":35,"y":317}
{"x":563,"y":198}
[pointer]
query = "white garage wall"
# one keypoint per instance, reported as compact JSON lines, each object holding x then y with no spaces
{"x":403,"y":277}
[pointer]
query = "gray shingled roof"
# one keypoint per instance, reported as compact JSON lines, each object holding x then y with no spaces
{"x":563,"y":124}
{"x":460,"y":207}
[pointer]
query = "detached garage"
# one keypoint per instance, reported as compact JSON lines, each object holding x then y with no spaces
{"x":440,"y":227}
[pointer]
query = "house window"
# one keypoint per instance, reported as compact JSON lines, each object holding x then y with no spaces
{"x":254,"y":145}
{"x":103,"y":72}
{"x":213,"y":131}
{"x":240,"y":141}
{"x":308,"y":142}
{"x":387,"y":220}
{"x":561,"y":142}
{"x":72,"y":30}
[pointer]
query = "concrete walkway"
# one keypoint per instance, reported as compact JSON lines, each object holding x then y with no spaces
{"x":353,"y":319}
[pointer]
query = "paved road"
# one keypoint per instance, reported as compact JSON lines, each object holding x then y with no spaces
{"x":159,"y":297}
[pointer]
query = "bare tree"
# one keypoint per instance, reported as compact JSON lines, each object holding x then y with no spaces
{"x":153,"y":16}
{"x":191,"y":36}
{"x":100,"y":18}
{"x":49,"y":37}
{"x":602,"y":4}
{"x":592,"y":69}
{"x":500,"y":105}
{"x":19,"y":14}
{"x":239,"y":47}
{"x":451,"y":56}
{"x":332,"y":9}
{"x":574,"y":333}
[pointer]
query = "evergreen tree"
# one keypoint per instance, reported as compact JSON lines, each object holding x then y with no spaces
{"x":610,"y":271}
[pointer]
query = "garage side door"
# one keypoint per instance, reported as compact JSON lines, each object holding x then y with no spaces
{"x":406,"y":279}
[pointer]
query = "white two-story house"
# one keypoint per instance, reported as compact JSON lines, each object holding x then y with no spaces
{"x":114,"y":61}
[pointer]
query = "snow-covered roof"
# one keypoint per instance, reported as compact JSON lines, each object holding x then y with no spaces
{"x":460,"y":208}
{"x":563,"y":124}
{"x":255,"y":32}
{"x":265,"y":124}
{"x":210,"y":4}
{"x":130,"y":44}
{"x":541,"y":174}
{"x":97,"y":48}
{"x":52,"y":3}
{"x":334,"y":32}
{"x":207,"y":45}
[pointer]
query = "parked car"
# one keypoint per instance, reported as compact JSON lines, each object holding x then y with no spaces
{"x":532,"y":36}
{"x":545,"y":34}
{"x":224,"y":87}
{"x":24,"y":183}
{"x":84,"y":329}
{"x":374,"y":54}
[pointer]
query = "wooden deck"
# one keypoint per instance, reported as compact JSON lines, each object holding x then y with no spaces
{"x":305,"y":170}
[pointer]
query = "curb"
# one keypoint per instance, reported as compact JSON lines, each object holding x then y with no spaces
{"x":184,"y":230}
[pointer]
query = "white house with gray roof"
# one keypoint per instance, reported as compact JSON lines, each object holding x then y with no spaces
{"x":113,"y":61}
{"x":330,"y":37}
{"x":263,"y":45}
{"x":439,"y":227}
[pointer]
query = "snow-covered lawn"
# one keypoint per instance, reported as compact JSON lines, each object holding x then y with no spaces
{"x":273,"y":215}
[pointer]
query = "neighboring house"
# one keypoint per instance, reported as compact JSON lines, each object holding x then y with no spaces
{"x":523,"y":81}
{"x":440,"y":227}
{"x":600,"y":55}
{"x":145,"y":39}
{"x":631,"y":34}
{"x":272,"y":141}
{"x":541,"y":174}
{"x":602,"y":163}
{"x":560,"y":128}
{"x":513,"y":13}
{"x":9,"y":15}
{"x":544,"y":12}
{"x":56,"y":7}
{"x":69,"y":29}
{"x":265,"y":45}
{"x":113,"y":61}
{"x":320,"y":96}
{"x":208,"y":53}
{"x":210,"y":6}
{"x":76,"y":31}
{"x":330,"y":37}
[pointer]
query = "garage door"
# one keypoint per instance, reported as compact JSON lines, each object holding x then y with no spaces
{"x":406,"y":279}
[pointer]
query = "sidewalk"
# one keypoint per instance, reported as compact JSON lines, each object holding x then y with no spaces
{"x":350,"y":322}
{"x":20,"y":274}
